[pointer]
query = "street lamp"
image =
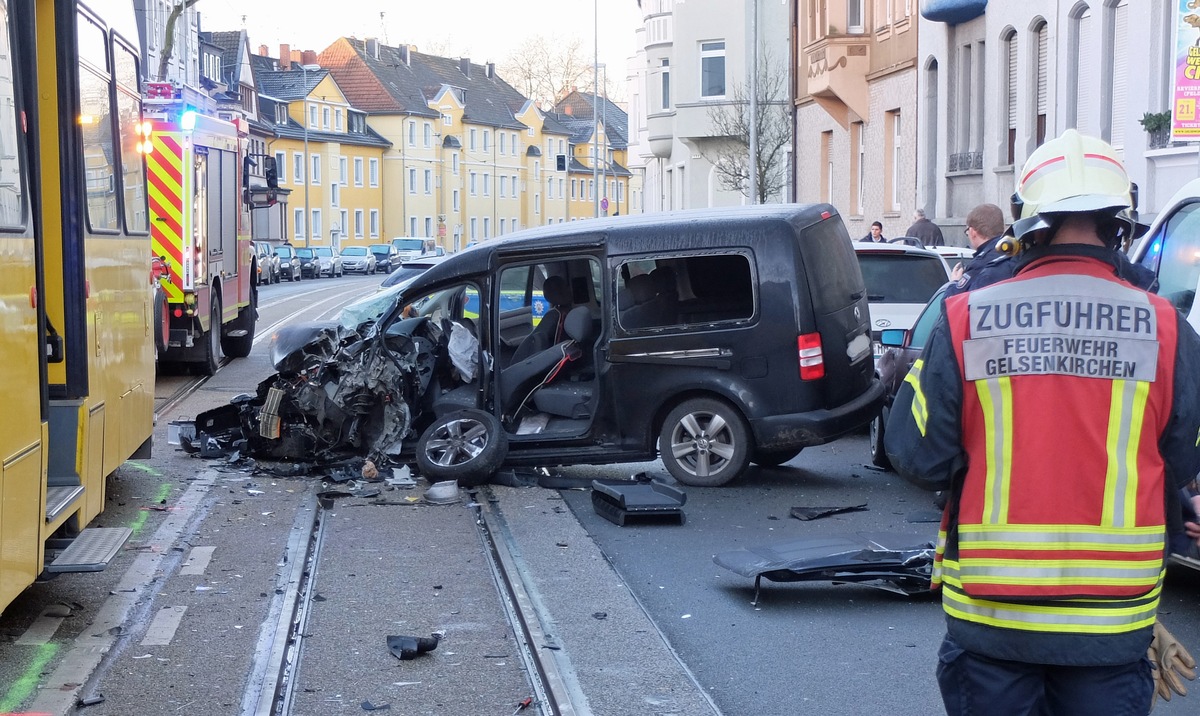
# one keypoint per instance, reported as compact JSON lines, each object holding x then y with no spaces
{"x":595,"y":116}
{"x":307,"y":160}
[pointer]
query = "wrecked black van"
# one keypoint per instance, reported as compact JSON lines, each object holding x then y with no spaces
{"x":714,"y":339}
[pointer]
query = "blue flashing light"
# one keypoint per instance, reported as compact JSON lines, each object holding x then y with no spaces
{"x":188,"y":120}
{"x":1156,"y":246}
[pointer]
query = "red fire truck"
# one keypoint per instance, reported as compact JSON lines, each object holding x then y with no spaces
{"x":200,"y":230}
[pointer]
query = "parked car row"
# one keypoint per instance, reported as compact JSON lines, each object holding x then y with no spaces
{"x":293,"y":263}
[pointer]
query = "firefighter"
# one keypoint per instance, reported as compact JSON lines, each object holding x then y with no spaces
{"x":1060,"y":409}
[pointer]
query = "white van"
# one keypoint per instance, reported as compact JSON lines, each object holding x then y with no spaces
{"x":413,"y":248}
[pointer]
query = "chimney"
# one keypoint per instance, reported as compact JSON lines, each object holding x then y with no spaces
{"x":404,"y":56}
{"x":490,"y":70}
{"x":308,"y":57}
{"x":569,"y":111}
{"x":285,"y":56}
{"x":262,"y":51}
{"x":464,"y":64}
{"x":373,"y":47}
{"x":296,"y":56}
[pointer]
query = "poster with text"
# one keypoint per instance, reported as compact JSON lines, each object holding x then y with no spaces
{"x":1185,"y":124}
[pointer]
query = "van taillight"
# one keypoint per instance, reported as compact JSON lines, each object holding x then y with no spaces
{"x":812,"y":358}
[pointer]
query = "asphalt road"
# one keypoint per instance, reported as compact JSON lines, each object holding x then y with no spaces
{"x":668,"y":610}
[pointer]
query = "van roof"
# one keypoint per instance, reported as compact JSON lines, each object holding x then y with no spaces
{"x":622,"y":234}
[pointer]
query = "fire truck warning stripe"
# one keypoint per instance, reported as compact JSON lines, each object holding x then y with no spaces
{"x":165,"y":212}
{"x":169,"y":153}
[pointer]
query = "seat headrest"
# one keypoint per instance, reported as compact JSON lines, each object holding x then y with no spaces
{"x":664,"y":279}
{"x":556,"y":291}
{"x":578,"y":323}
{"x":643,"y":288}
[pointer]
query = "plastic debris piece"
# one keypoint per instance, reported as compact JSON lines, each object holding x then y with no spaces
{"x":409,"y":647}
{"x":815,"y":513}
{"x":91,"y":700}
{"x":443,"y":493}
{"x":401,"y":477}
{"x":368,"y":706}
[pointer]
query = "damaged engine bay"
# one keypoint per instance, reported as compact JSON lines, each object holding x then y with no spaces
{"x":343,"y":392}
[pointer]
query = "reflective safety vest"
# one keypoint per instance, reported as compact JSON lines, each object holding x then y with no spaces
{"x":1067,"y":389}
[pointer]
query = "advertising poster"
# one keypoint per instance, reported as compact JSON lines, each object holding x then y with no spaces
{"x":1185,"y":124}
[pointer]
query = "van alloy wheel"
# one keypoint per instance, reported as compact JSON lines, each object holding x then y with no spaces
{"x":466,"y":445}
{"x":705,"y":442}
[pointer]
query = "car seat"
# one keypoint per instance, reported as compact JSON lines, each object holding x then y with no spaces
{"x":643,"y":289}
{"x":519,"y":380}
{"x":549,"y":330}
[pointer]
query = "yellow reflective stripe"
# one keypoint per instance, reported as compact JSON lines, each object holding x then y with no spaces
{"x":1093,"y":616}
{"x":1042,"y":537}
{"x":1060,"y":571}
{"x":1125,"y":420}
{"x":995,"y":398}
{"x":920,"y":411}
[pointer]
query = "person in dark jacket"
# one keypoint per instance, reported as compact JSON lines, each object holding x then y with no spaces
{"x":925,"y":230}
{"x":875,"y":235}
{"x":985,"y":226}
{"x":1061,"y":434}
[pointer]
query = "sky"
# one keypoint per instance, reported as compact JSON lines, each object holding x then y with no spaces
{"x":484,"y":30}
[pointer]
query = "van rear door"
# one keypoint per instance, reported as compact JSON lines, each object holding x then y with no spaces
{"x":839,"y":305}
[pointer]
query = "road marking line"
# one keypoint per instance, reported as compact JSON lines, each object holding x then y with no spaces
{"x":162,"y":627}
{"x":41,"y":631}
{"x":197,"y":560}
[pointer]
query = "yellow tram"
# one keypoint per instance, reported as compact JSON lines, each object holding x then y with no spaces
{"x":76,"y":348}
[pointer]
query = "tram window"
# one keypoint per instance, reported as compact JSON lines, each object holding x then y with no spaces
{"x":133,"y":178}
{"x":12,"y":200}
{"x":95,"y":122}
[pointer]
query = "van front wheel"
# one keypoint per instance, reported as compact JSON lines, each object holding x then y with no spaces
{"x":704,"y":442}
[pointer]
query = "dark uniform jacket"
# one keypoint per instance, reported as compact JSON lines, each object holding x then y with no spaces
{"x":986,"y":267}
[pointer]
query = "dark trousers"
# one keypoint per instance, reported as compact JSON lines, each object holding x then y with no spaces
{"x":976,"y":685}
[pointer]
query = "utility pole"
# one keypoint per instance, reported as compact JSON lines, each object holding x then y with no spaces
{"x":753,"y":102}
{"x":307,"y":160}
{"x":595,"y":116}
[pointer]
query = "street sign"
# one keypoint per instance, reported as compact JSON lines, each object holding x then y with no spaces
{"x":604,"y":204}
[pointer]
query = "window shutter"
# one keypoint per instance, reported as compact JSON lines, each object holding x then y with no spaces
{"x":1013,"y":81}
{"x":1041,"y":69}
{"x":1085,"y":89}
{"x":1120,"y":90}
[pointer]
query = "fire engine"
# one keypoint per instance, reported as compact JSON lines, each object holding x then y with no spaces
{"x":200,"y":229}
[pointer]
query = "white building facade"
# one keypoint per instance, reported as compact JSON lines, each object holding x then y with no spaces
{"x":994,"y":85}
{"x":694,"y":55}
{"x":184,"y":66}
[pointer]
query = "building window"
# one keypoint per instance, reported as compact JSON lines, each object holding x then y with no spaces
{"x":515,"y":144}
{"x":1012,"y":84}
{"x":358,"y":223}
{"x":298,"y":223}
{"x":374,"y":174}
{"x":316,"y":225}
{"x":344,"y":227}
{"x":316,"y":169}
{"x":1041,"y":99}
{"x":447,"y":120}
{"x":487,"y":147}
{"x":454,"y":200}
{"x":503,"y":143}
{"x":513,"y":178}
{"x":1117,"y":72}
{"x":894,"y":171}
{"x":337,"y":119}
{"x":1083,"y":59}
{"x":428,"y":135}
{"x":454,"y":163}
{"x":412,"y":133}
{"x":281,"y":166}
{"x":537,"y":170}
{"x":312,"y":117}
{"x":857,"y":169}
{"x":503,"y":184}
{"x":474,"y":228}
{"x":412,"y":181}
{"x":325,"y":118}
{"x":503,"y":222}
{"x":428,"y":181}
{"x":856,"y":16}
{"x":712,"y":69}
{"x":343,"y":175}
{"x":298,"y":168}
{"x":358,"y":171}
{"x":537,"y":203}
{"x":374,"y":223}
{"x":487,"y":227}
{"x":428,"y":226}
{"x":473,"y":184}
{"x":666,"y":84}
{"x":471,"y":140}
{"x":412,"y":226}
{"x":550,"y":188}
{"x":335,"y":194}
{"x":487,"y":185}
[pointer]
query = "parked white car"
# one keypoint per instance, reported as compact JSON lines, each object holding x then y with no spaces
{"x":900,"y":280}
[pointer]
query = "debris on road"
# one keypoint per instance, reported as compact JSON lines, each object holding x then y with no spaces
{"x":641,"y":497}
{"x":409,"y":647}
{"x":816,"y":513}
{"x":901,"y":564}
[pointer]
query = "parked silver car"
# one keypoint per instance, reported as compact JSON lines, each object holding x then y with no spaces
{"x":358,"y":259}
{"x":331,"y":263}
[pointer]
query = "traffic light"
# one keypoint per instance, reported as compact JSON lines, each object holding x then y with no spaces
{"x":271,"y":171}
{"x":560,"y":162}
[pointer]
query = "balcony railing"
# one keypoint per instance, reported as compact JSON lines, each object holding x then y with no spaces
{"x":966,"y":161}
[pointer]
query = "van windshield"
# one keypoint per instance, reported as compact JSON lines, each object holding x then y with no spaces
{"x":409,"y":244}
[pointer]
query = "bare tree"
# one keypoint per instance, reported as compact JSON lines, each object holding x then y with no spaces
{"x":544,"y":70}
{"x":729,"y":151}
{"x":168,"y":47}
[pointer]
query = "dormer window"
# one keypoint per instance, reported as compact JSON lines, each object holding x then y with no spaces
{"x":281,"y":115}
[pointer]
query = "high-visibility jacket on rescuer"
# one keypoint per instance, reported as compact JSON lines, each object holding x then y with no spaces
{"x":1055,"y":407}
